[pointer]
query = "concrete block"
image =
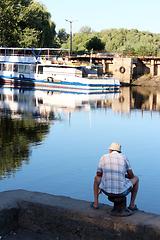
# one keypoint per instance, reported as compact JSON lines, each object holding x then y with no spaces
{"x":122,"y":69}
{"x":8,"y":220}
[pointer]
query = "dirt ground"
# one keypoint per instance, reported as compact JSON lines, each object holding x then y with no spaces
{"x":147,"y":81}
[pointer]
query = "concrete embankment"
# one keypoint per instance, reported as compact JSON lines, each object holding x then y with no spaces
{"x":58,"y":217}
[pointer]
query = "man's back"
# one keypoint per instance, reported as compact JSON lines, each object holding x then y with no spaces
{"x":113,"y":167}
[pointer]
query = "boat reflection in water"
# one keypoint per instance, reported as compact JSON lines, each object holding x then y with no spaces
{"x":44,"y":105}
{"x":25,"y":118}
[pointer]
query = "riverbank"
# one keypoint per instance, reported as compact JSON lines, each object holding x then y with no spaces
{"x":34,"y":215}
{"x":147,"y":81}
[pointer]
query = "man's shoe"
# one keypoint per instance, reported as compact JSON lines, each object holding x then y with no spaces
{"x":133,"y":209}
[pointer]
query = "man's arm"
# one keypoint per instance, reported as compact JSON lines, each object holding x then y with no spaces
{"x":99,"y":174}
{"x":129,"y":174}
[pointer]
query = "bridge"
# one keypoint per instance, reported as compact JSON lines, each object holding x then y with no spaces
{"x":123,"y":67}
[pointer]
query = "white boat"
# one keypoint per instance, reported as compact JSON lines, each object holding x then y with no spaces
{"x":39,"y":69}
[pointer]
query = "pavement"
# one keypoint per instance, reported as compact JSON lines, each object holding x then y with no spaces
{"x":33,"y":215}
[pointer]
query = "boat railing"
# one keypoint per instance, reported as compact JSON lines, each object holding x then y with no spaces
{"x":48,"y":57}
{"x":37,"y":52}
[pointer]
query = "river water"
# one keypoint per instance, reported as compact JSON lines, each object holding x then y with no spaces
{"x":52,"y":142}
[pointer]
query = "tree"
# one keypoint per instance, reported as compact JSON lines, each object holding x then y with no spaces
{"x":62,"y":35}
{"x":37,"y":18}
{"x":28,"y":38}
{"x":85,"y":29}
{"x":24,"y":23}
{"x":95,"y":43}
{"x":9,"y":14}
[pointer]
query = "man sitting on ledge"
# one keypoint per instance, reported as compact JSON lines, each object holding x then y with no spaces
{"x":114,"y":175}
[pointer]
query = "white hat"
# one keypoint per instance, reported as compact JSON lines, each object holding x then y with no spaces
{"x":115,"y":147}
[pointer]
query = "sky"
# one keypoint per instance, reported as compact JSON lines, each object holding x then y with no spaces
{"x":105,"y":14}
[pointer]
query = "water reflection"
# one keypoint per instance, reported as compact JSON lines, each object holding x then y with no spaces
{"x":26,"y":117}
{"x":26,"y":104}
{"x":16,"y":138}
{"x":44,"y":105}
{"x":145,"y":98}
{"x":134,"y":98}
{"x":54,"y":140}
{"x":21,"y":127}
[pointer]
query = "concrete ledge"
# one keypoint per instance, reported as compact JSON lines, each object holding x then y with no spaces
{"x":66,"y":218}
{"x":8,"y":220}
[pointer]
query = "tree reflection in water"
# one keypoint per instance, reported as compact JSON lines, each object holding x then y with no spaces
{"x":16,"y":138}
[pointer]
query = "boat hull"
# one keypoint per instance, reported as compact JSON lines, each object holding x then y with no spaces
{"x":79,"y":86}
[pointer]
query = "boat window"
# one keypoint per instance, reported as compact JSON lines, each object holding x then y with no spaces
{"x":4,"y":67}
{"x":4,"y":97}
{"x":33,"y":68}
{"x":26,"y":99}
{"x":19,"y":52}
{"x":2,"y":51}
{"x":29,"y":53}
{"x":20,"y":98}
{"x":27,"y":69}
{"x":9,"y":52}
{"x":10,"y":67}
{"x":21,"y":68}
{"x":0,"y":96}
{"x":0,"y":67}
{"x":40,"y":69}
{"x":15,"y":68}
{"x":34,"y":101}
{"x":15,"y":98}
{"x":9,"y":97}
{"x":15,"y":52}
{"x":40,"y":100}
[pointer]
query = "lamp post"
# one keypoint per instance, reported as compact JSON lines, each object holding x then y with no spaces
{"x":70,"y":33}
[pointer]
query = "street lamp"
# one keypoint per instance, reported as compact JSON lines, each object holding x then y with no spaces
{"x":71,"y":33}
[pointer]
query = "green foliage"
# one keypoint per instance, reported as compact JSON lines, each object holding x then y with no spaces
{"x":85,"y":30}
{"x":28,"y":38}
{"x":95,"y":43}
{"x":132,"y":42}
{"x":25,"y":23}
{"x":9,"y":18}
{"x":62,"y":35}
{"x":37,"y":18}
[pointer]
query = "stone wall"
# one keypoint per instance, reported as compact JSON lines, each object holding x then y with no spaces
{"x":65,"y":218}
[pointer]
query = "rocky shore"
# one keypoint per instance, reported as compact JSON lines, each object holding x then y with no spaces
{"x":147,"y":81}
